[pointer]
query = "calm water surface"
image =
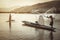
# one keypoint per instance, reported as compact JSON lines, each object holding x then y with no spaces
{"x":20,"y":32}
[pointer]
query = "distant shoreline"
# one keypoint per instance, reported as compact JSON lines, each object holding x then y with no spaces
{"x":26,"y":13}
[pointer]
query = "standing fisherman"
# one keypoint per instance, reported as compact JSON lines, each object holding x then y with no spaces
{"x":51,"y":24}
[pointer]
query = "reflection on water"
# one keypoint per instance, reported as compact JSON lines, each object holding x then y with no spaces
{"x":20,"y":32}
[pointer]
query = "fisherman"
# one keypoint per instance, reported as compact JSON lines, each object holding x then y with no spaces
{"x":51,"y":24}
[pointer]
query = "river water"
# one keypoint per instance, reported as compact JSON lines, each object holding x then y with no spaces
{"x":20,"y":32}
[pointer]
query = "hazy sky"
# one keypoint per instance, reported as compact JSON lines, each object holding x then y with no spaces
{"x":12,"y":3}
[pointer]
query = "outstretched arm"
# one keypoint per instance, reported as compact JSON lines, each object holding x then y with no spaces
{"x":49,"y":17}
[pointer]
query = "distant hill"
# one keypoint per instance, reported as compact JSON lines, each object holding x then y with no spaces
{"x":4,"y":10}
{"x":42,"y":7}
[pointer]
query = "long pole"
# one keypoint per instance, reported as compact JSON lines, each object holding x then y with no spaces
{"x":10,"y":22}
